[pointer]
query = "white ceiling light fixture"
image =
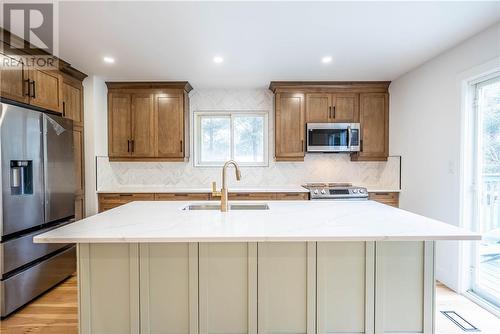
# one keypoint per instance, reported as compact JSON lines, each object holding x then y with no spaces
{"x":218,"y":59}
{"x":109,"y":60}
{"x":326,"y":60}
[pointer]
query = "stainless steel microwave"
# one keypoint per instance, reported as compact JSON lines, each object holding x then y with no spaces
{"x":333,"y":137}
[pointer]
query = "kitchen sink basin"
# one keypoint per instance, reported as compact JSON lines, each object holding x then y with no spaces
{"x":242,"y":206}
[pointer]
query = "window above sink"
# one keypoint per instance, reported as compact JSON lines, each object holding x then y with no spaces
{"x":238,"y":135}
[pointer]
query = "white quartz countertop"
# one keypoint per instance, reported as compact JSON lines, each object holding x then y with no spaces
{"x":159,"y":189}
{"x":284,"y":221}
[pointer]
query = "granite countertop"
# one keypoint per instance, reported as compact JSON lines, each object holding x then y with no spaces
{"x":284,"y":221}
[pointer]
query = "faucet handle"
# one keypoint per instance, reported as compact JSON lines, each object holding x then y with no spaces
{"x":215,"y":192}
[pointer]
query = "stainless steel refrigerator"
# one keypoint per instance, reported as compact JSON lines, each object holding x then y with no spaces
{"x":37,"y":194}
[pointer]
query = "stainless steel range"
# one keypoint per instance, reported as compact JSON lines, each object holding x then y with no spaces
{"x":340,"y":191}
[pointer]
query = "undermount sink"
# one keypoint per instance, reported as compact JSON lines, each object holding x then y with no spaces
{"x":239,"y":206}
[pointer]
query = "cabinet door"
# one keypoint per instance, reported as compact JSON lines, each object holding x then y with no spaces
{"x":119,"y":125}
{"x":290,"y":127}
{"x":72,"y":104}
{"x":13,"y":79}
{"x":46,"y":89}
{"x":142,"y":125}
{"x":169,"y":110}
{"x":374,"y":121}
{"x":318,"y":108}
{"x":345,"y":108}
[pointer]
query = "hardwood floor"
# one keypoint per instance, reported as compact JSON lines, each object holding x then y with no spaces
{"x":55,"y":312}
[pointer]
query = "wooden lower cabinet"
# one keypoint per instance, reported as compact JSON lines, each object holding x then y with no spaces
{"x":111,"y":200}
{"x":79,"y":207}
{"x":389,"y":198}
{"x":250,"y":288}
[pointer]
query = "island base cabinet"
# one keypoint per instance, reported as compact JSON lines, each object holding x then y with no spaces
{"x":404,"y":276}
{"x":248,"y":288}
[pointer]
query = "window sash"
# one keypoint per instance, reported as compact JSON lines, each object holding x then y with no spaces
{"x":199,"y":115}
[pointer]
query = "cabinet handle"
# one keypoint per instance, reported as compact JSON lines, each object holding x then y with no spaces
{"x":181,"y":146}
{"x":361,"y":145}
{"x":33,"y":83}
{"x":132,"y":143}
{"x":29,"y":90}
{"x":330,"y":112}
{"x":333,"y":111}
{"x":64,"y":109}
{"x":302,"y":143}
{"x":128,"y":145}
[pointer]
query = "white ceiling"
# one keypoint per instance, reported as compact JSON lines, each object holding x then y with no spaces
{"x":263,"y":41}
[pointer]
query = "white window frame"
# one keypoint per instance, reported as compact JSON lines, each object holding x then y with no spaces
{"x":198,"y":115}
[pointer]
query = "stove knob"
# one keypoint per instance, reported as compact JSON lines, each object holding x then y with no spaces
{"x":316,"y":191}
{"x":323,"y":191}
{"x":355,"y":191}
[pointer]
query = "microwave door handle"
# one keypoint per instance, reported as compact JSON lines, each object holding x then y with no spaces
{"x":349,"y":136}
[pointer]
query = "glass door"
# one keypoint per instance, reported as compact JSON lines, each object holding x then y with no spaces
{"x":486,"y":253}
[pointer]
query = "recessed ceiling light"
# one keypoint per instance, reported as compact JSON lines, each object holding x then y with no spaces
{"x":218,"y":60}
{"x":326,"y":60}
{"x":109,"y":60}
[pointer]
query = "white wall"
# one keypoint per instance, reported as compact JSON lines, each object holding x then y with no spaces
{"x":425,"y":129}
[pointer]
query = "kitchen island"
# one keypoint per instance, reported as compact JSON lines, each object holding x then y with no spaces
{"x":296,"y":267}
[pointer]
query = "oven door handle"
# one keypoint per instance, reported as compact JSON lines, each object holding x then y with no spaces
{"x":349,"y":137}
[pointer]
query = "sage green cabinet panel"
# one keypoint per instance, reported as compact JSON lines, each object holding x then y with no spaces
{"x":345,"y":274}
{"x":168,"y":288}
{"x":286,"y":287}
{"x":228,"y":288}
{"x":404,"y":287}
{"x":109,"y":298}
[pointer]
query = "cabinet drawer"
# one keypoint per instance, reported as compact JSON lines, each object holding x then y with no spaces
{"x":389,"y":198}
{"x":126,"y":197}
{"x":182,"y":197}
{"x":292,"y":196}
{"x":252,"y":196}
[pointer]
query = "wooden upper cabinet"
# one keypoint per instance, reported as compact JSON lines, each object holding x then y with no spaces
{"x":345,"y":108}
{"x":72,"y":104}
{"x":374,"y":121}
{"x":142,"y":140}
{"x":148,"y":120}
{"x":332,"y":108}
{"x":46,"y":89}
{"x":318,"y":108}
{"x":290,"y":126}
{"x":119,"y":125}
{"x":13,"y":79}
{"x":169,"y":113}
